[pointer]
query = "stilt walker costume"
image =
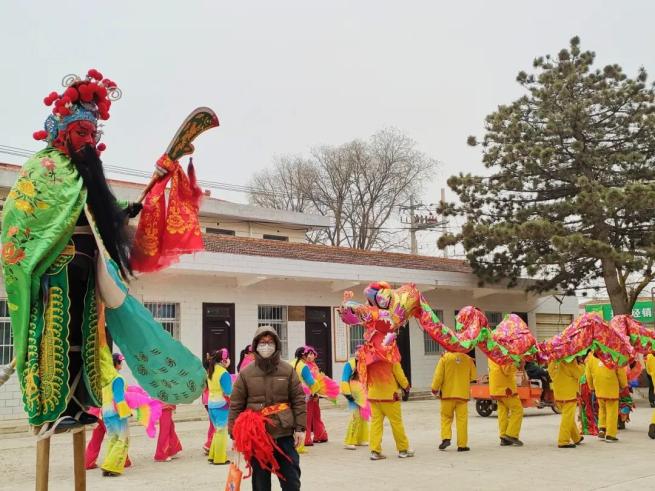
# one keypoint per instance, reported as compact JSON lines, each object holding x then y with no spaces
{"x":66,"y":257}
{"x":357,"y":433}
{"x":566,"y":387}
{"x":220,"y":389}
{"x":66,"y":262}
{"x":452,"y":383}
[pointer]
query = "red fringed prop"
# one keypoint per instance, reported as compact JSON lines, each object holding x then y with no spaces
{"x":253,"y":441}
{"x":164,"y":234}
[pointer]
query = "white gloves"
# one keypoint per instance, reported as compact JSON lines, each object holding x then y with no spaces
{"x":298,"y":438}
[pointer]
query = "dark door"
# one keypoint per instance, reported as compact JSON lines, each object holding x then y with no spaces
{"x":218,"y":329}
{"x":403,"y":346}
{"x":318,"y":333}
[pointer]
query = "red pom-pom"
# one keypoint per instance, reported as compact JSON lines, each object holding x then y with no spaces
{"x":64,"y":111}
{"x":101,"y":147}
{"x":86,"y":92}
{"x":72,"y":94}
{"x":101,"y":92}
{"x":109,"y":83}
{"x":94,"y":74}
{"x":50,"y":98}
{"x":40,"y":135}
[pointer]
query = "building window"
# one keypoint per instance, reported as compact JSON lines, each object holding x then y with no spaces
{"x":168,"y":314}
{"x":430,"y":346}
{"x":276,"y":317}
{"x":494,"y":318}
{"x":220,"y":231}
{"x":6,"y":338}
{"x":281,"y":238}
{"x":355,"y":338}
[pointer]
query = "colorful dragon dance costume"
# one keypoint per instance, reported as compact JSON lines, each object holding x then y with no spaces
{"x":65,"y":258}
{"x":615,"y":343}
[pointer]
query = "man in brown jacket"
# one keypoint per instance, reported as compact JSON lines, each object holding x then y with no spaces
{"x":271,"y":384}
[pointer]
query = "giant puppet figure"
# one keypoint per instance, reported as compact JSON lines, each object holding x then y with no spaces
{"x":66,"y":263}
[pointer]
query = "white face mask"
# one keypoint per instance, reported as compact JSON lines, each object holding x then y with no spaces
{"x":265,"y":350}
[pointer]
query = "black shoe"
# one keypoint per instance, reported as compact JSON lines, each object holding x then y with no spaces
{"x":67,"y":424}
{"x":568,"y":445}
{"x":611,"y":439}
{"x":514,"y":441}
{"x":601,"y":432}
{"x":444,"y":444}
{"x":110,"y":474}
{"x":504,"y":442}
{"x":86,"y":418}
{"x":463,"y":449}
{"x":579,"y":442}
{"x":651,"y":431}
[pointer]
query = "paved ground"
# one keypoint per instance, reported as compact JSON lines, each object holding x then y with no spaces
{"x":538,"y":465}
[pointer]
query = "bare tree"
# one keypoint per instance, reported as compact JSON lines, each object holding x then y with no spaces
{"x":360,"y":184}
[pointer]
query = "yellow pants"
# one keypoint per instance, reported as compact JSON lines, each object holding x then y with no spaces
{"x":608,"y":416}
{"x":357,"y":432}
{"x":117,"y":450}
{"x":218,"y":448}
{"x":652,"y":419}
{"x":458,"y":409}
{"x":510,"y":416}
{"x":392,"y":411}
{"x":568,"y":428}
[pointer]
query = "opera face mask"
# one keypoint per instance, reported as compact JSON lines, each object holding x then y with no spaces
{"x":265,"y":350}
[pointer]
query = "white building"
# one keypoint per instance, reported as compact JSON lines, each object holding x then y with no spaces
{"x":258,"y":269}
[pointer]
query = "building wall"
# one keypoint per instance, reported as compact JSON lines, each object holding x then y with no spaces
{"x":256,"y":230}
{"x":190,"y":290}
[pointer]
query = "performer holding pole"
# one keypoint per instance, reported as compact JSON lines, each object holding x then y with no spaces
{"x":66,"y":256}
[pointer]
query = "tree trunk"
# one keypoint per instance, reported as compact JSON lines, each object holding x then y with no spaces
{"x":618,"y":294}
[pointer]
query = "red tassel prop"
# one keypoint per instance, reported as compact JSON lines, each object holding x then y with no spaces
{"x":253,"y":441}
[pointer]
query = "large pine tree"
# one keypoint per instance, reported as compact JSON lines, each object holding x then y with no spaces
{"x":569,"y":197}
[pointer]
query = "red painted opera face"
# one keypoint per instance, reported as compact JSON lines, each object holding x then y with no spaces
{"x":81,"y":133}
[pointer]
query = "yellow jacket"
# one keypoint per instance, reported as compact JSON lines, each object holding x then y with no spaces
{"x":453,"y":376}
{"x":502,"y":379}
{"x":606,"y":382}
{"x":650,"y":365}
{"x":384,"y":380}
{"x":566,"y":379}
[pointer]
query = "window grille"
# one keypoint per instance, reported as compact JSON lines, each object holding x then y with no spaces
{"x":168,"y":314}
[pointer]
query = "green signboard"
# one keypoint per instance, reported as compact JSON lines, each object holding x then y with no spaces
{"x":642,"y":311}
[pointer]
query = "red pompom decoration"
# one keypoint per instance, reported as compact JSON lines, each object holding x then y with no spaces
{"x":101,"y":92}
{"x":101,"y":147}
{"x":94,"y":74}
{"x":72,"y":94}
{"x":50,"y":98}
{"x":86,"y":92}
{"x":40,"y":135}
{"x":64,"y":111}
{"x":109,"y":83}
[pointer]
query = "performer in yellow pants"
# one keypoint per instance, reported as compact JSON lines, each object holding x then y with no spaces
{"x":566,"y":385}
{"x":219,"y":383}
{"x":650,"y":369}
{"x":452,"y":382}
{"x":383,"y":382}
{"x":352,"y":389}
{"x":502,"y":387}
{"x":606,"y":383}
{"x":357,"y":433}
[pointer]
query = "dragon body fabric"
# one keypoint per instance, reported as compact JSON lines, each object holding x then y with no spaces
{"x":615,"y":343}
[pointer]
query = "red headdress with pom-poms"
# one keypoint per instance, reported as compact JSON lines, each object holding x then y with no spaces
{"x":84,"y":99}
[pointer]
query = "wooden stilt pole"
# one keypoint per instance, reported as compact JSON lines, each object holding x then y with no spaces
{"x":42,"y":464}
{"x":79,"y":447}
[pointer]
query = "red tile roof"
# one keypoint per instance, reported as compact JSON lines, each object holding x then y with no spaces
{"x":321,"y":253}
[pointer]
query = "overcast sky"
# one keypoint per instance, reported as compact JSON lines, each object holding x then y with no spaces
{"x":284,"y":76}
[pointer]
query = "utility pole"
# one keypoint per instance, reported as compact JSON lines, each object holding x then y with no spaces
{"x":444,"y":222}
{"x":412,"y":226}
